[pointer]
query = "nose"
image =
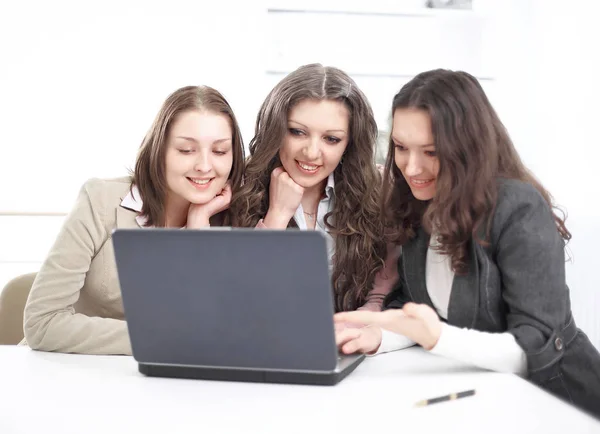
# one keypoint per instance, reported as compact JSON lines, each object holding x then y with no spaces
{"x":203,"y":163}
{"x":414,"y":165}
{"x":311,"y":150}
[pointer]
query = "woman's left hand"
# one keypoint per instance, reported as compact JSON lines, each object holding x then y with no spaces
{"x":199,"y":215}
{"x":418,"y":322}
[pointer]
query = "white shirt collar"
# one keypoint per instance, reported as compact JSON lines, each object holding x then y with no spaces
{"x":133,"y":201}
{"x":330,"y":185}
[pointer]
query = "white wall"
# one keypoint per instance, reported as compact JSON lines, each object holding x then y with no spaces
{"x":81,"y":81}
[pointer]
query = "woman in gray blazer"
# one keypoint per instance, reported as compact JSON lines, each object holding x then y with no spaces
{"x":481,"y":273}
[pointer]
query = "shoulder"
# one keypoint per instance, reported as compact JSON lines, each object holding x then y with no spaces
{"x":520,"y":203}
{"x":104,"y":196}
{"x":512,"y":193}
{"x":107,"y":189}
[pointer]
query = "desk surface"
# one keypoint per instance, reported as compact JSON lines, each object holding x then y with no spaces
{"x":65,"y":393}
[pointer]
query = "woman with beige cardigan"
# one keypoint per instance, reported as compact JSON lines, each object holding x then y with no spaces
{"x":188,"y":165}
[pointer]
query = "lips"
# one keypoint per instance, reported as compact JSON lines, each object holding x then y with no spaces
{"x":307,"y":167}
{"x":200,"y":183}
{"x":421,"y":183}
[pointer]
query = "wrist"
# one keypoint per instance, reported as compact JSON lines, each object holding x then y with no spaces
{"x":277,"y":219}
{"x":198,"y":223}
{"x":378,"y":339}
{"x":435,"y":337}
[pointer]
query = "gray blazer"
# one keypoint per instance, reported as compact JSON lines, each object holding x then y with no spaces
{"x":517,"y":284}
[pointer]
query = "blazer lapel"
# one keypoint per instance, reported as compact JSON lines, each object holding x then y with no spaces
{"x":414,"y":257}
{"x":126,"y":218}
{"x":464,"y":298}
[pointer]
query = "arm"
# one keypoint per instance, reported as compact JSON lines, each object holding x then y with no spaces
{"x":391,"y":341}
{"x":498,"y":352}
{"x":50,"y":321}
{"x":530,"y":257}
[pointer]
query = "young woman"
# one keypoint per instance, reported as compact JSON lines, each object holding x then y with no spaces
{"x":311,"y":166}
{"x":189,"y":164}
{"x":481,"y":277}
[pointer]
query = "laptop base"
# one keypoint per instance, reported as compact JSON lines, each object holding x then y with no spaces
{"x":330,"y":378}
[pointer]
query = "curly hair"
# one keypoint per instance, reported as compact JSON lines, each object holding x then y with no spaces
{"x":473,"y":150}
{"x":354,"y":221}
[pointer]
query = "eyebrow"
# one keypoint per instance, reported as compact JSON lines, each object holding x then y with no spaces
{"x":191,"y":139}
{"x":304,"y":126}
{"x":399,"y":142}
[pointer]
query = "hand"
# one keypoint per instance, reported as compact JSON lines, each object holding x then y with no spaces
{"x":199,"y":214}
{"x":417,"y":322}
{"x":357,"y":340}
{"x":284,"y":199}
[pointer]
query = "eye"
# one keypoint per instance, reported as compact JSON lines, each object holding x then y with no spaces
{"x":431,"y":153}
{"x":332,"y":140}
{"x":399,"y":148}
{"x":220,"y":152}
{"x":185,"y":151}
{"x":296,"y":132}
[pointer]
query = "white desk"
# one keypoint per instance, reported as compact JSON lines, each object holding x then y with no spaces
{"x":63,"y":393}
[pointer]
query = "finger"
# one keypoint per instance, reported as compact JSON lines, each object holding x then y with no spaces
{"x":358,"y":345}
{"x":338,"y":327}
{"x":226,"y":192}
{"x":359,"y":317}
{"x":285,"y":177}
{"x":415,"y":310}
{"x":277,"y":172}
{"x":346,"y":335}
{"x":351,"y":347}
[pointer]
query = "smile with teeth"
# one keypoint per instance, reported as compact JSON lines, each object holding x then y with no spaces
{"x":200,"y":182}
{"x":307,"y":167}
{"x":421,"y":182}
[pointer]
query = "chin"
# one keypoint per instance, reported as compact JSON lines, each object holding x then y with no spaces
{"x":306,"y":181}
{"x":423,"y":196}
{"x":201,"y":198}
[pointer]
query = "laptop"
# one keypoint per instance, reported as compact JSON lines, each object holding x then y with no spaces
{"x":238,"y":304}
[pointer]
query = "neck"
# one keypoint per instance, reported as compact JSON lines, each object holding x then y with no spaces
{"x":176,"y":211}
{"x":312,"y":196}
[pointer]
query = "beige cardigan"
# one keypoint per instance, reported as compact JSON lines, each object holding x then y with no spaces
{"x":75,"y":303}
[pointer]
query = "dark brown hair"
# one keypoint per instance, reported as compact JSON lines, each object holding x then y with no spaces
{"x":354,"y":222}
{"x":473,"y":150}
{"x":150,"y":166}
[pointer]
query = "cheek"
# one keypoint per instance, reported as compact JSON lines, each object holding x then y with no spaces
{"x":287,"y":148}
{"x":173,"y":165}
{"x":223,"y":165}
{"x":400,"y":160}
{"x":435,"y":168}
{"x":333,"y":154}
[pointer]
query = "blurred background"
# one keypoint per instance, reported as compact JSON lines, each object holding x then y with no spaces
{"x":80,"y":83}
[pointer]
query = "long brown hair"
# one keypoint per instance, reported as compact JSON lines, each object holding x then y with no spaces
{"x":473,"y":149}
{"x":354,"y":222}
{"x":150,"y":166}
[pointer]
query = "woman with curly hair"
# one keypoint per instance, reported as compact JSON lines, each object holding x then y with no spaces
{"x":481,"y":276}
{"x":311,"y":166}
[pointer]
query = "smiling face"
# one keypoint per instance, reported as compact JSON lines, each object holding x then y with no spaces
{"x":316,"y":138}
{"x":414,"y":151}
{"x":199,"y":157}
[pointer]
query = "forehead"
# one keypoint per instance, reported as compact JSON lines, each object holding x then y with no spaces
{"x":201,"y":124}
{"x":412,"y":127}
{"x":320,"y":114}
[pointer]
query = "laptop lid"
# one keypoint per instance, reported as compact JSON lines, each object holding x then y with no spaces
{"x":245,"y":298}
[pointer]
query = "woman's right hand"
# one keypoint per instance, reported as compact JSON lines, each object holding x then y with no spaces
{"x":350,"y":340}
{"x":284,"y":199}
